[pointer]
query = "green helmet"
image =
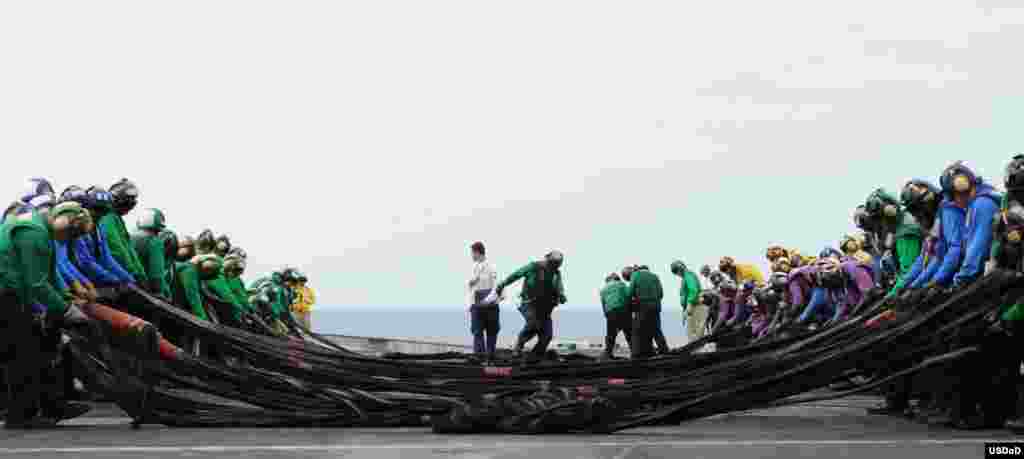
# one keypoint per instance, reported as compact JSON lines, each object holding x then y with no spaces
{"x":677,"y":267}
{"x":151,"y":219}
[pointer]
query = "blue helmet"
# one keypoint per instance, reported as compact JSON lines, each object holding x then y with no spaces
{"x":958,"y":177}
{"x":829,"y":252}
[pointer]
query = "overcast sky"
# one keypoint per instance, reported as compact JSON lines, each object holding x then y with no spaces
{"x":369,"y":143}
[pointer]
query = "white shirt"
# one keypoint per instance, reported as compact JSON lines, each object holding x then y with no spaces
{"x":485,"y":276}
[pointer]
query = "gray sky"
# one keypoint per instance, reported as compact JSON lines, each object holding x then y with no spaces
{"x":369,"y":143}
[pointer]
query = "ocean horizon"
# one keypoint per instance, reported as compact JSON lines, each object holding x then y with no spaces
{"x":451,"y":324}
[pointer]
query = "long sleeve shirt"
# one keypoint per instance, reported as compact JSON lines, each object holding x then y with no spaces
{"x":28,"y":265}
{"x":977,"y":237}
{"x":120,"y":244}
{"x":187,"y":290}
{"x":689,"y":293}
{"x":484,"y":277}
{"x":66,"y":268}
{"x":952,"y":221}
{"x":94,"y":260}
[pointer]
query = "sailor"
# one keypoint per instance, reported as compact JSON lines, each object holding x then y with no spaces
{"x":34,"y":306}
{"x":125,"y":196}
{"x":740,"y":273}
{"x":152,"y":250}
{"x":852,"y":246}
{"x":542,"y":292}
{"x":694,"y":313}
{"x":616,"y":313}
{"x":485,"y":316}
{"x":901,"y":233}
{"x":223,"y":246}
{"x":921,"y":199}
{"x":645,"y":294}
{"x":91,"y":254}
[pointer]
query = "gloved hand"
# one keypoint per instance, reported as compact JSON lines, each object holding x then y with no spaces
{"x":561,"y":299}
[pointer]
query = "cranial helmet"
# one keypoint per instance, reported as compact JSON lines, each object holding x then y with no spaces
{"x":959,"y":177}
{"x":555,"y":258}
{"x":151,"y":219}
{"x":677,"y":267}
{"x":918,"y":195}
{"x":881,"y":204}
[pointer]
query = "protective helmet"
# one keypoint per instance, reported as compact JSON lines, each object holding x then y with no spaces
{"x":555,"y":259}
{"x":42,"y":201}
{"x":233,"y":266}
{"x":292,"y":275}
{"x":851,"y":244}
{"x":34,"y":187}
{"x":151,"y":219}
{"x":223,"y":244}
{"x":170,"y":240}
{"x":881,"y":204}
{"x":920,"y":195}
{"x":238,"y":252}
{"x":958,"y":177}
{"x":782,"y":265}
{"x":74,"y":193}
{"x":125,"y":195}
{"x":829,"y":252}
{"x":677,"y":267}
{"x":726,"y":263}
{"x":705,"y":270}
{"x":98,"y":199}
{"x":205,"y":243}
{"x":1013,"y":223}
{"x":1014,"y":176}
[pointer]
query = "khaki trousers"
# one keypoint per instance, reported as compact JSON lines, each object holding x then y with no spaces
{"x":695,"y":317}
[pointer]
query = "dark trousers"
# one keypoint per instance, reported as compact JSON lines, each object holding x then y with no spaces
{"x":32,"y":381}
{"x":617,"y":321}
{"x":538,"y":323}
{"x":645,"y":324}
{"x":658,"y":335}
{"x":485,"y":324}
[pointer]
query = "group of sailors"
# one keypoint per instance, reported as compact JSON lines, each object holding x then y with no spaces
{"x":929,"y":237}
{"x":61,"y":252}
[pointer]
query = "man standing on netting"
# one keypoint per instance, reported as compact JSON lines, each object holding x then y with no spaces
{"x":484,"y":313}
{"x":542,"y":292}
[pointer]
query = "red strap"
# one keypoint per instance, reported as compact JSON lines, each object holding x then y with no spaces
{"x":498,"y":371}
